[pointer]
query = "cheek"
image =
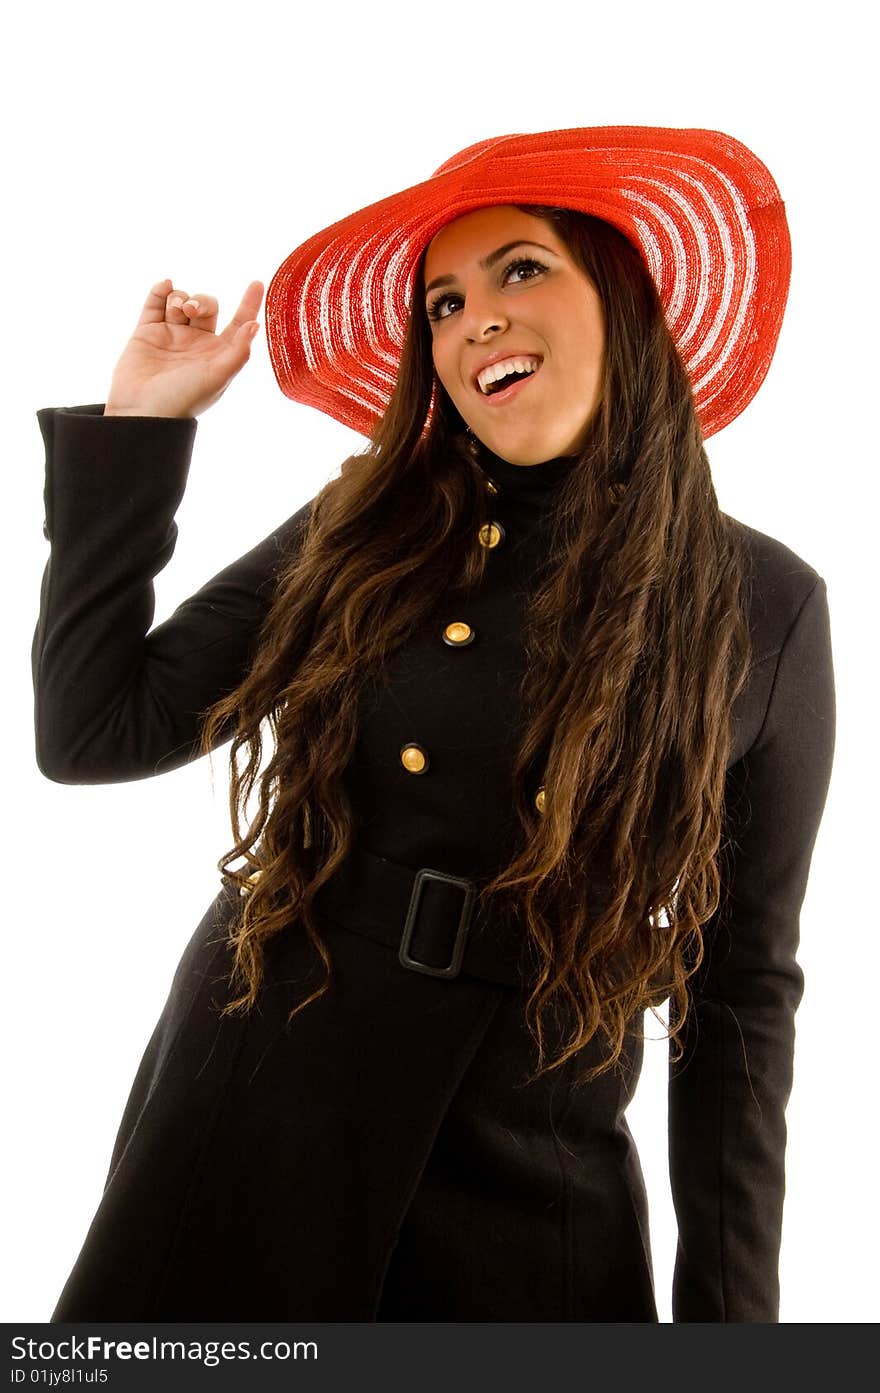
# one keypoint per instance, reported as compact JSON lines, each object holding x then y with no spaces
{"x":443,"y":368}
{"x":588,"y":344}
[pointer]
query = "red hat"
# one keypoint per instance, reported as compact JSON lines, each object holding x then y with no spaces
{"x":703,"y":210}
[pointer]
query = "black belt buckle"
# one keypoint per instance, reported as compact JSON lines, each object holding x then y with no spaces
{"x":454,"y":966}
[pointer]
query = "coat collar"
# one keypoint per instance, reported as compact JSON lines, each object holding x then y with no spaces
{"x":526,"y":481}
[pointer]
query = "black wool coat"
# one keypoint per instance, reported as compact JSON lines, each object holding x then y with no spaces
{"x":382,"y":1158}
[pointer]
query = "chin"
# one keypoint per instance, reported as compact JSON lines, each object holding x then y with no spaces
{"x":519,"y":457}
{"x":528,"y":452}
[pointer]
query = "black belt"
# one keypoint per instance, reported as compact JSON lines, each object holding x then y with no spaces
{"x":431,"y":917}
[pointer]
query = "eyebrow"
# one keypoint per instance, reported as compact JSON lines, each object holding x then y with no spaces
{"x":488,"y":262}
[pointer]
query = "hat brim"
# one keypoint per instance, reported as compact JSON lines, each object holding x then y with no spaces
{"x":702,"y":209}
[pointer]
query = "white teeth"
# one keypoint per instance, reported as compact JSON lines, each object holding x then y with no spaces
{"x":496,"y":371}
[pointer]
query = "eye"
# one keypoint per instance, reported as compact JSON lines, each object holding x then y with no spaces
{"x":435,"y":306}
{"x":440,"y":307}
{"x":525,"y":263}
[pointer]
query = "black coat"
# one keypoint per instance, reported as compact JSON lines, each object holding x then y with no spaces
{"x":380,"y":1159}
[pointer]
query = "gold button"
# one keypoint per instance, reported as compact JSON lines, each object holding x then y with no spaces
{"x":491,"y":486}
{"x":251,"y":880}
{"x":491,"y":534}
{"x":458,"y":634}
{"x":414,"y":759}
{"x":541,"y":799}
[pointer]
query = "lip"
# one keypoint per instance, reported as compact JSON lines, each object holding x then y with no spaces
{"x":500,"y":357}
{"x":499,"y":398}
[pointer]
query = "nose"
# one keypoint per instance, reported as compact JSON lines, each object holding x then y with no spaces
{"x":482,"y":316}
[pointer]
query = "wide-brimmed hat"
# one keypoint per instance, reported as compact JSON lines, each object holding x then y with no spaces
{"x":702,"y":209}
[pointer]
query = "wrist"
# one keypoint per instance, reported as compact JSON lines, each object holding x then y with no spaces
{"x":112,"y":410}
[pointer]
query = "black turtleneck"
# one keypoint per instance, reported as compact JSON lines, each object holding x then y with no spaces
{"x":525,"y":481}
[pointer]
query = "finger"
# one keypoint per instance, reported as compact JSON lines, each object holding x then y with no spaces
{"x":202,"y":312}
{"x":174,"y":312}
{"x":153,"y":311}
{"x":247,"y":310}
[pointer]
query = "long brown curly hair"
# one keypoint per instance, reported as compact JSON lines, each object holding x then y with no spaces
{"x":637,"y":643}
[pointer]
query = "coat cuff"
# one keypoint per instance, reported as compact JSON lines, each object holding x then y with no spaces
{"x":88,"y":451}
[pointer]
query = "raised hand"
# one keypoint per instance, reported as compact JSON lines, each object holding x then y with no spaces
{"x":175,"y":363}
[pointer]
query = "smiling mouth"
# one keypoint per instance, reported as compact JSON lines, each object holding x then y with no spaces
{"x":505,"y":387}
{"x":509,"y":388}
{"x":490,"y":380}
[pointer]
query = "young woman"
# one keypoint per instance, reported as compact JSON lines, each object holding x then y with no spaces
{"x":532,"y":737}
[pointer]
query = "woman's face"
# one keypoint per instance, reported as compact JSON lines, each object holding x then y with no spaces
{"x":500,"y":285}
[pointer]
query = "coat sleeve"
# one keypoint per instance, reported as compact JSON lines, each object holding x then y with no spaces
{"x":114,"y":701}
{"x":728,"y":1094}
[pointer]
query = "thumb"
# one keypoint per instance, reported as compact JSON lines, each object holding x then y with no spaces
{"x":248,"y":331}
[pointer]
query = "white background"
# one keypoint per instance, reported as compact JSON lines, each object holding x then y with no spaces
{"x":203,"y":143}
